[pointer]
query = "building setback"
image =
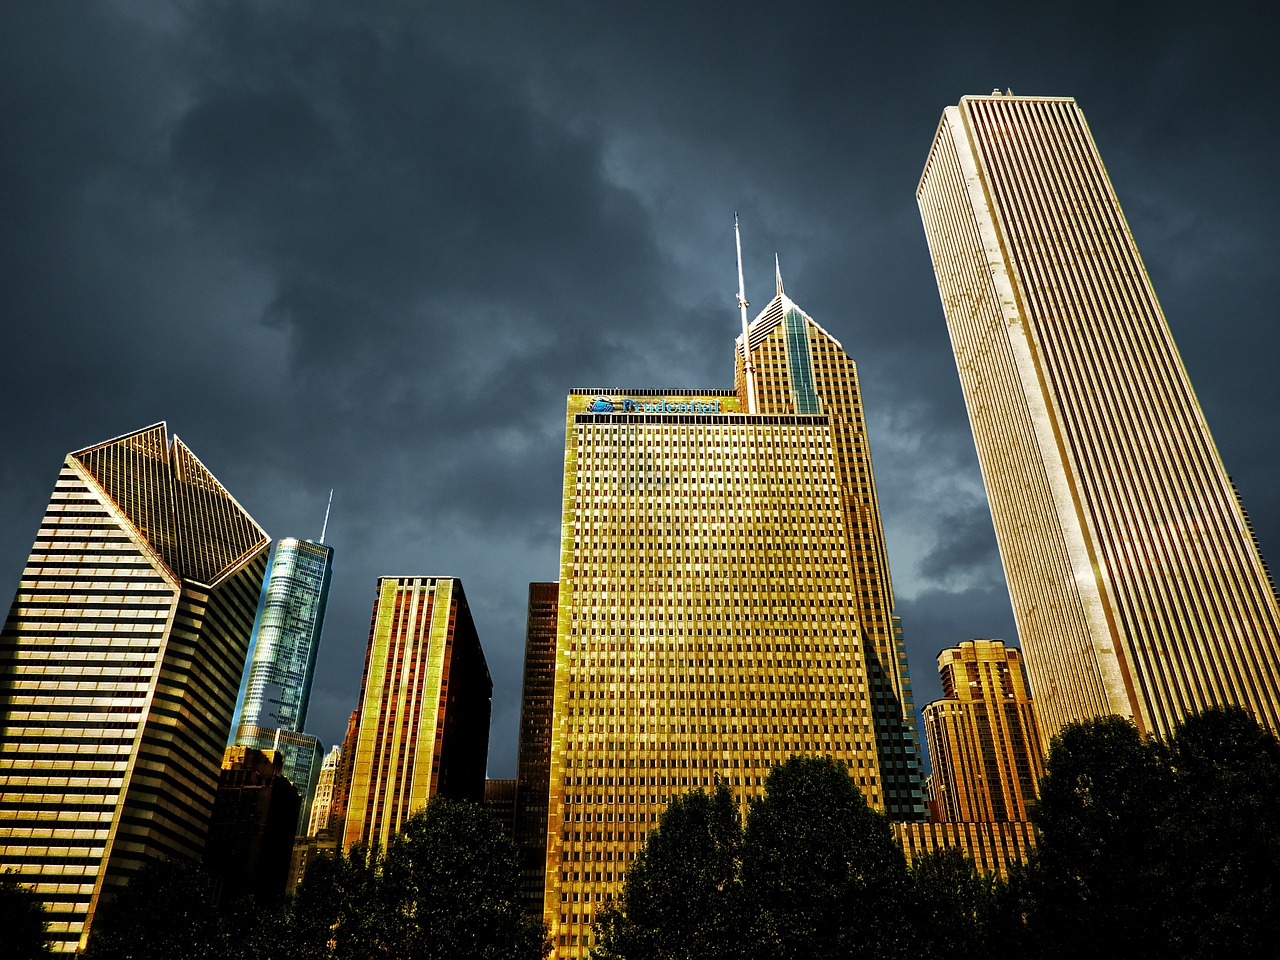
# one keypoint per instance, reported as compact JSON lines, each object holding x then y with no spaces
{"x":708,"y":626}
{"x":984,"y":742}
{"x":423,"y":727}
{"x":120,"y":662}
{"x":1136,"y":583}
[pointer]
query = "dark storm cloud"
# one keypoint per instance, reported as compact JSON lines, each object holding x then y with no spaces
{"x":370,"y":247}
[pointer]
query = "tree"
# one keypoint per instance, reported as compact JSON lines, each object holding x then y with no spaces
{"x":1222,"y":829}
{"x":166,"y":911}
{"x":1156,"y":850}
{"x":24,"y":921}
{"x":822,"y":874}
{"x":338,"y":911}
{"x":953,"y":907}
{"x":681,"y":898}
{"x":451,"y":884}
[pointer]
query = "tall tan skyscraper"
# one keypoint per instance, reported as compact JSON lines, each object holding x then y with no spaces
{"x":424,"y":708}
{"x":1136,"y":584}
{"x":708,"y":624}
{"x":984,"y":742}
{"x":120,"y":662}
{"x":801,"y":369}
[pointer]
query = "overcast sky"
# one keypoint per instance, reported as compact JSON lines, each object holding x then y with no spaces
{"x":372,"y":246}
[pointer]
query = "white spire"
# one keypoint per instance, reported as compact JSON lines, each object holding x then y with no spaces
{"x":777,"y":274}
{"x":325,"y":529}
{"x":748,"y":369}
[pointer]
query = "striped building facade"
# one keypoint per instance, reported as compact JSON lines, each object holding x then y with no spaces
{"x":984,"y":742}
{"x":1136,"y":583}
{"x":120,"y":662}
{"x":423,"y":726}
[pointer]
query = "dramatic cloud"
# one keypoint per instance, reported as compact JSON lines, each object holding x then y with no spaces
{"x":370,"y":247}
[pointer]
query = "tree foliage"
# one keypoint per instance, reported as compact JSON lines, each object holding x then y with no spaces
{"x":680,"y":900}
{"x":814,"y":873}
{"x":1157,"y":850}
{"x":447,"y":887}
{"x":822,"y":873}
{"x":23,"y":921}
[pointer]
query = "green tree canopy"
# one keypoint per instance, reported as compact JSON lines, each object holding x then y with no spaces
{"x":815,"y":873}
{"x":681,"y":896}
{"x":447,"y":888}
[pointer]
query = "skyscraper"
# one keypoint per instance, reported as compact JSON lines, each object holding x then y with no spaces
{"x":284,"y":662}
{"x":801,"y":369}
{"x":708,"y":624}
{"x":1136,"y":583}
{"x":984,"y":742}
{"x":120,"y":662}
{"x":534,"y":750}
{"x":423,"y":728}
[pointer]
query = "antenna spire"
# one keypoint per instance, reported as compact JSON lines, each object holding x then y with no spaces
{"x":325,"y":529}
{"x":748,"y":369}
{"x":777,"y":274}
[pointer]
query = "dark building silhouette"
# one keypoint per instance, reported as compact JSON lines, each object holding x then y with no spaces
{"x":252,"y":828}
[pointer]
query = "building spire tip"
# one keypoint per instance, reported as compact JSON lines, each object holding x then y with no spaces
{"x":777,"y":274}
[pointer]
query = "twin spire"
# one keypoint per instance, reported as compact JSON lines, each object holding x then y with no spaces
{"x":749,"y":370}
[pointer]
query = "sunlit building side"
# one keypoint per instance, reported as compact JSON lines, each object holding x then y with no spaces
{"x":423,"y":726}
{"x":1137,"y":586}
{"x":984,"y":742}
{"x":120,"y":662}
{"x":708,"y":625}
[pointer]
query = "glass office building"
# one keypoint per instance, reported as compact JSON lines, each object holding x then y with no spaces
{"x":278,"y":690}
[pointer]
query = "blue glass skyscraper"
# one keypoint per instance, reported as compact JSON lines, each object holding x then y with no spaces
{"x":286,"y":641}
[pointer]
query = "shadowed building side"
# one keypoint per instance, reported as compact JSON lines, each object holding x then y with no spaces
{"x":533,"y":769}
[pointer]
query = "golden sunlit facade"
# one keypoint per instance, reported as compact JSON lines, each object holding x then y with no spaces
{"x":708,"y":625}
{"x":423,"y":726}
{"x":801,"y":369}
{"x":1135,"y":580}
{"x":120,"y":662}
{"x":992,"y":846}
{"x":984,"y":742}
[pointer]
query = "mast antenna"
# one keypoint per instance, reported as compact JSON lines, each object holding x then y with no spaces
{"x":325,"y":529}
{"x":748,"y":369}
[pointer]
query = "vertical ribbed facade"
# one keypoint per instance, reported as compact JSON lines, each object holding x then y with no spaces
{"x":801,"y":368}
{"x":984,"y":742}
{"x":423,"y":727}
{"x":1135,"y":580}
{"x":533,"y":769}
{"x":286,"y":643}
{"x":120,"y":662}
{"x":708,"y":625}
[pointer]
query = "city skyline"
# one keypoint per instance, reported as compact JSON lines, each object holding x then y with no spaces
{"x":359,"y":301}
